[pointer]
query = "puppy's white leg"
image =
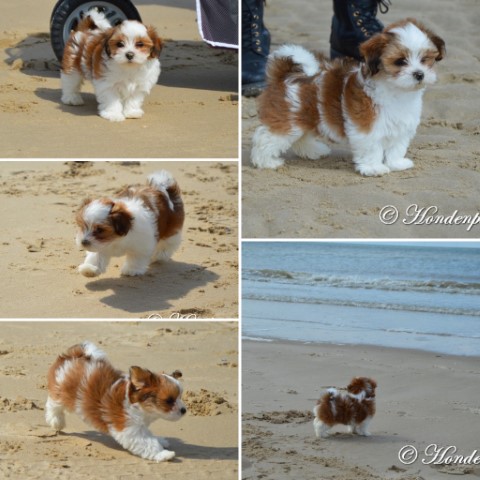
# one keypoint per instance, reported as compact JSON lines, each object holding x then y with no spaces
{"x":132,"y":107}
{"x":139,"y":441}
{"x":94,"y":264}
{"x":166,"y":248}
{"x":395,"y":156}
{"x":267,"y":147}
{"x":55,"y":414}
{"x":368,"y":159}
{"x":109,"y":101}
{"x":362,"y":428}
{"x":321,"y":429}
{"x":310,"y":147}
{"x":71,"y":83}
{"x":135,"y":265}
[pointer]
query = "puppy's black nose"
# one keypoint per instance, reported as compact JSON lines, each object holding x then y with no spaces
{"x":418,"y":75}
{"x":183,"y":410}
{"x":85,"y":242}
{"x":130,"y":55}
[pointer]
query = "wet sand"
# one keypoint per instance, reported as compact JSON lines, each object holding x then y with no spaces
{"x":422,"y":398}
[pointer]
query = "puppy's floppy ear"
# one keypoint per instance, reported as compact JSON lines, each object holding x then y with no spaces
{"x":121,"y":218}
{"x":106,"y":42}
{"x":157,"y":42}
{"x":140,"y":377}
{"x":440,"y":44}
{"x":176,"y":374}
{"x":435,"y":39}
{"x":355,"y":386}
{"x":372,"y":50}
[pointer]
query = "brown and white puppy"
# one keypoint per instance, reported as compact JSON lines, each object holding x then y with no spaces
{"x":354,"y":408}
{"x":376,"y":104}
{"x":142,"y":222}
{"x":122,"y":63}
{"x":82,"y":380}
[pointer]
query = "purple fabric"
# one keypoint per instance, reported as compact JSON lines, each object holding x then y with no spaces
{"x":218,"y":22}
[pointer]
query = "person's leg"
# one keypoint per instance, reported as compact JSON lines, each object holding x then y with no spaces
{"x":255,"y":47}
{"x":354,"y":21}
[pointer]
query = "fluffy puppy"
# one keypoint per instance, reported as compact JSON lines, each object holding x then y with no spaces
{"x":354,"y":408}
{"x":144,"y":223}
{"x":121,"y":61}
{"x":375,"y":105}
{"x":122,"y":405}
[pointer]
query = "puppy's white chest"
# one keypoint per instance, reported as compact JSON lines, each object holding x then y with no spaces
{"x":128,"y":80}
{"x":399,"y":115}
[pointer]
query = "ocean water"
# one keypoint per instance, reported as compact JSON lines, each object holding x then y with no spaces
{"x":405,"y":295}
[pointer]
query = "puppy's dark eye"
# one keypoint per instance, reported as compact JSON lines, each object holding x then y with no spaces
{"x":400,"y":62}
{"x":120,"y":44}
{"x":139,"y":44}
{"x":170,"y":401}
{"x":98,"y":230}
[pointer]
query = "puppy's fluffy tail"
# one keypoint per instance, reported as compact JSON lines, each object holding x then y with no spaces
{"x":332,"y":392}
{"x":94,"y":20}
{"x":290,"y":59}
{"x":164,"y":182}
{"x":84,"y":350}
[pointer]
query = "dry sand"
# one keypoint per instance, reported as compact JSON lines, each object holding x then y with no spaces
{"x":205,"y":441}
{"x":422,"y":398}
{"x":326,"y":198}
{"x":39,"y":258}
{"x":191,"y":113}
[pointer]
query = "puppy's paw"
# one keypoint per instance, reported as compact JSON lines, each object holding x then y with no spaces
{"x":88,"y":270}
{"x":133,"y":113}
{"x":57,"y":422}
{"x":164,"y":456}
{"x":132,"y":271}
{"x":399,"y":164}
{"x":72,"y":99}
{"x":310,"y":148}
{"x":112,"y":116}
{"x":268,"y":162}
{"x":376,"y":170}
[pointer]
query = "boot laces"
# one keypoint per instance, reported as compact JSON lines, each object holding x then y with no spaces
{"x":383,"y":5}
{"x":366,"y":15}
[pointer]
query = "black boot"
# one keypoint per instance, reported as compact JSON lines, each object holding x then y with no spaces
{"x":354,"y":21}
{"x":255,"y":47}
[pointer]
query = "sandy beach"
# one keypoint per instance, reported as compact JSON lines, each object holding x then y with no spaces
{"x":326,"y":198}
{"x":422,"y":399}
{"x":206,"y":353}
{"x":191,"y":113}
{"x":39,"y":258}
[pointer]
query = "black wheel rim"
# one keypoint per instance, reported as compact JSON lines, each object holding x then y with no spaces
{"x":113,"y":14}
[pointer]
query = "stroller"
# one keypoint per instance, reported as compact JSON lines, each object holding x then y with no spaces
{"x":217,"y":19}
